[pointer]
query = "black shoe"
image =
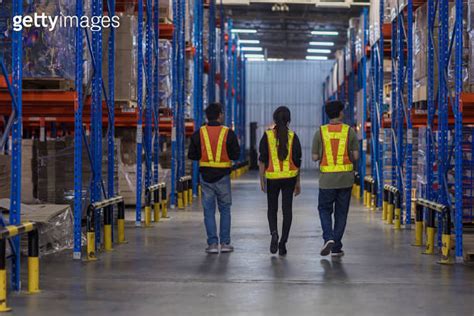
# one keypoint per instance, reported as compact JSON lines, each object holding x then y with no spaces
{"x":326,"y":250}
{"x":282,"y":249}
{"x":274,"y":243}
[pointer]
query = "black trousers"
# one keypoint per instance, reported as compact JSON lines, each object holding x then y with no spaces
{"x":287,"y":188}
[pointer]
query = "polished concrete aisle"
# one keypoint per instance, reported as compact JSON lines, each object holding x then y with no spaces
{"x":164,"y":270}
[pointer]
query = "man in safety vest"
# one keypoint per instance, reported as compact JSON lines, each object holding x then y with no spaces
{"x":336,"y":147}
{"x":215,"y":146}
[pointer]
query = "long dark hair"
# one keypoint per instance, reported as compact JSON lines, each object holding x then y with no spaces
{"x":282,"y":117}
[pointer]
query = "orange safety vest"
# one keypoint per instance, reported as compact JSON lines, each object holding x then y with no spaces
{"x":280,"y":169}
{"x":335,"y":154}
{"x":214,"y":147}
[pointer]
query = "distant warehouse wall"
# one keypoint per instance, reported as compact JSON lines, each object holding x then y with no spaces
{"x":296,"y":84}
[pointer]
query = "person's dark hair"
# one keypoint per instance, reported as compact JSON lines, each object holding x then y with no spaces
{"x":282,"y":117}
{"x":213,"y":111}
{"x":333,"y":109}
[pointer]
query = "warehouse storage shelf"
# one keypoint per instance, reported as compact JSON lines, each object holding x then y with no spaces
{"x":445,"y":111}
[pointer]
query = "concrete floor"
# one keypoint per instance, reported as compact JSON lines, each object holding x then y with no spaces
{"x":164,"y":271}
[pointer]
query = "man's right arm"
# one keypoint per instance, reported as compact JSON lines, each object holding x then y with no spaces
{"x":354,"y":146}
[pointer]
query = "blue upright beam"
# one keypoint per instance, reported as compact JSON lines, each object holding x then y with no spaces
{"x":182,"y":134}
{"x":230,"y":78}
{"x":443,"y":155}
{"x":394,"y":101}
{"x":222,"y":70}
{"x":399,"y":126}
{"x":149,"y":94}
{"x":15,"y":193}
{"x":409,"y":106}
{"x":111,"y":106}
{"x":458,"y":224}
{"x":380,"y":101}
{"x":175,"y":95}
{"x":96,"y":120}
{"x":78,"y":112}
{"x":156,"y":90}
{"x":139,"y":184}
{"x":430,"y":156}
{"x":212,"y":52}
{"x":363,"y":71}
{"x":198,"y":80}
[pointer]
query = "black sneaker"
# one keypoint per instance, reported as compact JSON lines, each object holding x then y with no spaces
{"x":274,"y":243}
{"x":337,"y":254}
{"x":282,"y":249}
{"x":326,"y":250}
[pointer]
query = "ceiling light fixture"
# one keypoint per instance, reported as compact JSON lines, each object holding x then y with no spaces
{"x":321,"y":43}
{"x":254,"y":56}
{"x":275,"y":59}
{"x":246,"y":31}
{"x":316,"y":58}
{"x":243,"y":41}
{"x":251,"y":49}
{"x":329,"y":33}
{"x":319,"y":50}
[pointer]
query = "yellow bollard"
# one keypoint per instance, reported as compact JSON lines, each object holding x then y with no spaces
{"x":418,"y":234}
{"x":180,"y":200}
{"x":91,"y":246}
{"x":384,"y":210}
{"x":185,"y":198}
{"x":372,"y":202}
{"x":445,"y":249}
{"x":147,"y":216}
{"x":3,"y":290}
{"x":190,"y":195}
{"x":398,"y":219}
{"x":364,"y":198}
{"x":33,"y":275}
{"x":156,"y":212}
{"x":430,"y":241}
{"x":121,"y":230}
{"x":358,"y":192}
{"x":390,"y":214}
{"x":108,"y":237}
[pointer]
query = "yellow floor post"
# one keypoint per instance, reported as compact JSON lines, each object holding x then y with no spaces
{"x":445,"y":249}
{"x":156,"y":212}
{"x":390,"y":214}
{"x":372,"y":202}
{"x":384,"y":210}
{"x":430,"y":241}
{"x":190,"y":196}
{"x":418,"y":234}
{"x":91,"y":246}
{"x":164,"y":208}
{"x":3,"y":291}
{"x":180,"y":200}
{"x":121,"y":230}
{"x":398,"y":218}
{"x":108,"y":237}
{"x":33,"y":275}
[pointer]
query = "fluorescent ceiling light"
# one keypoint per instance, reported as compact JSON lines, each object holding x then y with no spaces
{"x":256,"y":59}
{"x":321,"y":43}
{"x":243,"y":41}
{"x":252,"y":49}
{"x":319,"y":50}
{"x":316,"y":58}
{"x":247,"y":31}
{"x":330,"y":33}
{"x":275,"y":59}
{"x":254,"y":56}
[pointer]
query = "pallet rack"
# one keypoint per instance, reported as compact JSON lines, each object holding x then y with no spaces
{"x":439,"y":115}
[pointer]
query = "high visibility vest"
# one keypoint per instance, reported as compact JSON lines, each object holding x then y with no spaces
{"x":335,"y":156}
{"x":214,"y":147}
{"x":280,"y":169}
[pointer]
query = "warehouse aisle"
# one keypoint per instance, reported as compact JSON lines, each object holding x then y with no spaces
{"x":164,"y":271}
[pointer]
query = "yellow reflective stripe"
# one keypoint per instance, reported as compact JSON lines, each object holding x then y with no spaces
{"x":207,"y":144}
{"x":342,"y":145}
{"x":220,"y":144}
{"x":281,"y":175}
{"x":286,"y":163}
{"x":338,"y":168}
{"x":216,"y":164}
{"x":273,"y":150}
{"x":327,"y":145}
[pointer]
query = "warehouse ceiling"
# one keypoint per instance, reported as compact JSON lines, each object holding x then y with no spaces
{"x":286,"y":34}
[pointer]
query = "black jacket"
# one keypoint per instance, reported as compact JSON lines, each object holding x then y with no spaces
{"x":212,"y":175}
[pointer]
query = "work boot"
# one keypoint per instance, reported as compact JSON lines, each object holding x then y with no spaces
{"x":282,"y":249}
{"x":326,"y":250}
{"x":226,"y":248}
{"x":274,"y":243}
{"x":339,"y":253}
{"x":212,"y":249}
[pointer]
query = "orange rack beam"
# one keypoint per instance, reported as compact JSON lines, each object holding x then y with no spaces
{"x":58,"y":106}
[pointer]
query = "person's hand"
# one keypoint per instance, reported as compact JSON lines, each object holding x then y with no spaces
{"x":263,"y":187}
{"x":297,"y":188}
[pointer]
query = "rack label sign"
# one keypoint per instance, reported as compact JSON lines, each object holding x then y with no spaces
{"x":139,"y":133}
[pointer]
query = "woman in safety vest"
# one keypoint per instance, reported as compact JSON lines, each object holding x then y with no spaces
{"x":279,"y":162}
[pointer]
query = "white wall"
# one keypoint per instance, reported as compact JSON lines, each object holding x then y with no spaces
{"x":295,"y":84}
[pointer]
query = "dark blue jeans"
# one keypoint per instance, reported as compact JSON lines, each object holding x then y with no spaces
{"x":335,"y":201}
{"x":211,"y":193}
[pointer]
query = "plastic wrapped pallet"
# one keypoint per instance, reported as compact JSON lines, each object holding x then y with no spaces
{"x":55,"y":226}
{"x":165,"y":85}
{"x":340,"y":66}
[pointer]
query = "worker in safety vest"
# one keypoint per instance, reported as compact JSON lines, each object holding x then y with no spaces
{"x":279,"y":163}
{"x":336,"y":147}
{"x":215,"y":146}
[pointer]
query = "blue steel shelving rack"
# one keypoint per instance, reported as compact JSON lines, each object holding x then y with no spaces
{"x":15,"y":90}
